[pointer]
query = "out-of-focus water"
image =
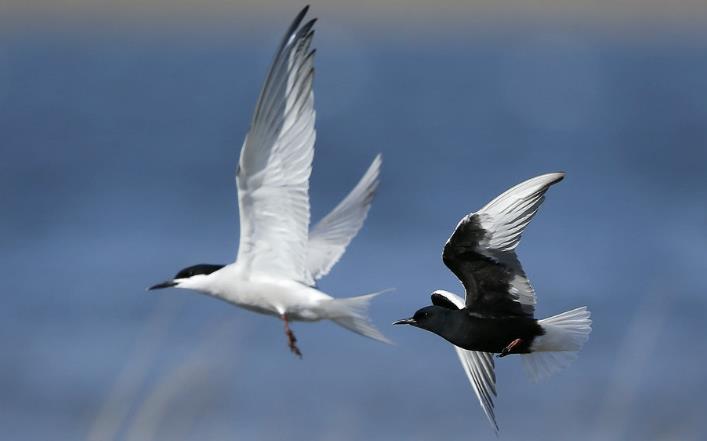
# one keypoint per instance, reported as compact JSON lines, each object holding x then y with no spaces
{"x":117,"y":170}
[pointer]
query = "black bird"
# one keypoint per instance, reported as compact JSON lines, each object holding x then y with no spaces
{"x":497,"y":316}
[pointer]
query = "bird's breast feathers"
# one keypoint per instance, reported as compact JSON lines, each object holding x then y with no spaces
{"x":266,"y":294}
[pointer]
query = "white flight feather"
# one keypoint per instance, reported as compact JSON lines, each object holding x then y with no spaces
{"x":275,"y":165}
{"x":565,"y":334}
{"x":329,"y":238}
{"x":505,"y":217}
{"x":479,"y":369}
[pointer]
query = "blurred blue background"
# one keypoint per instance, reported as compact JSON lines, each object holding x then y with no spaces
{"x":119,"y":136}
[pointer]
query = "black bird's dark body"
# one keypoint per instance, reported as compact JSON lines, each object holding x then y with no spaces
{"x":472,"y":332}
{"x":475,"y":332}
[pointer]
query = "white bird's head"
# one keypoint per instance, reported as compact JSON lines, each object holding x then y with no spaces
{"x":193,"y":277}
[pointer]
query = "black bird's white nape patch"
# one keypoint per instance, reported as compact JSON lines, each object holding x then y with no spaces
{"x":439,"y":299}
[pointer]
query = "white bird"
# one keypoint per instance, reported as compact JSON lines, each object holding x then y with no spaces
{"x":279,"y":258}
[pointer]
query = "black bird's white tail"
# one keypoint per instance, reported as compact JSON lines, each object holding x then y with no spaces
{"x":352,"y":314}
{"x":565,"y":334}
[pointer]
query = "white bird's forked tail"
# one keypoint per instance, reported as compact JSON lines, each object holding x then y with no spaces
{"x":565,"y":334}
{"x":352,"y":314}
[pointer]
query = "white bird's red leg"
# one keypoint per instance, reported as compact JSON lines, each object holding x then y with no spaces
{"x":291,"y":339}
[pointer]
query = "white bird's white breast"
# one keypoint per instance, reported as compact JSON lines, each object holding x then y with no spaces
{"x":264,"y":293}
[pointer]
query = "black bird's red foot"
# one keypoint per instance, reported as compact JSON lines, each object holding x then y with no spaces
{"x":507,"y":350}
{"x":291,"y":339}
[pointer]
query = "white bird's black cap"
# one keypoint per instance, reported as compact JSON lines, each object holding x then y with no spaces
{"x":191,"y":271}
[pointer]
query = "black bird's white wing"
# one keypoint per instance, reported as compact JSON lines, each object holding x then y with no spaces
{"x":276,"y":162}
{"x":478,"y":366}
{"x":481,"y":253}
{"x":330,"y":237}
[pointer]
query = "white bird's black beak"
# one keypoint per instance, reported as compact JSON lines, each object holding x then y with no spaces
{"x":407,"y":321}
{"x":167,"y":284}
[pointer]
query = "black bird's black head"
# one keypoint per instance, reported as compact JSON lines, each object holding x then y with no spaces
{"x":436,"y":318}
{"x":431,"y":318}
{"x":202,"y":269}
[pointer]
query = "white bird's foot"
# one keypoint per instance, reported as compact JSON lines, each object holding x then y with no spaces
{"x":291,"y":339}
{"x":507,"y":350}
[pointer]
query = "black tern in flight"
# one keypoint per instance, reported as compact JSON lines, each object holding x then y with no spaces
{"x":279,"y":257}
{"x":497,"y":316}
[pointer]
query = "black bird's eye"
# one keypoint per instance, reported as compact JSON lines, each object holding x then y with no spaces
{"x":421,"y":316}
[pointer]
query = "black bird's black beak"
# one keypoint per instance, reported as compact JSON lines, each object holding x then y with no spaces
{"x":407,"y":321}
{"x":167,"y":284}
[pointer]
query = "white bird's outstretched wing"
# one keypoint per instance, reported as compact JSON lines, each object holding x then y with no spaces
{"x":276,"y":161}
{"x":330,"y":237}
{"x":479,"y":369}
